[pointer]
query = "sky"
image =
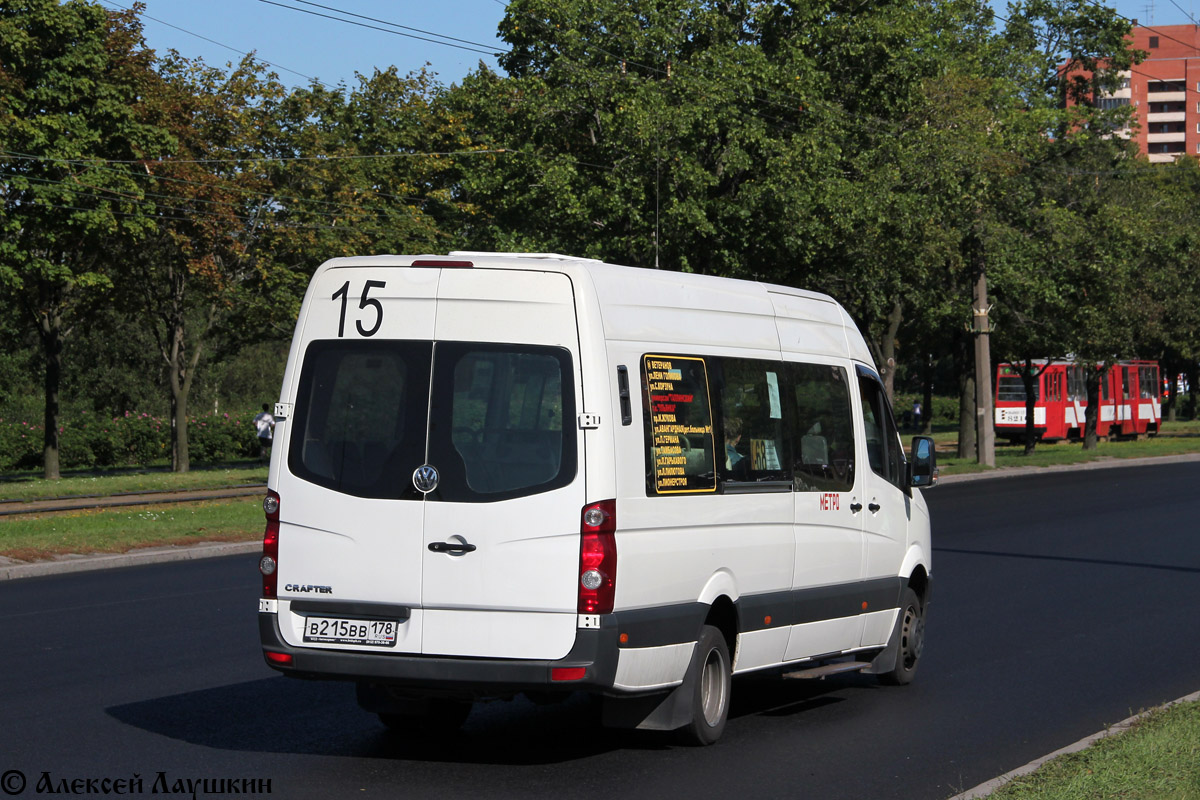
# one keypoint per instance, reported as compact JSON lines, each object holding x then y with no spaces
{"x":301,"y":45}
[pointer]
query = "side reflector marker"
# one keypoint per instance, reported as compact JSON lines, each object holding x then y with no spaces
{"x":278,"y":658}
{"x":568,"y":673}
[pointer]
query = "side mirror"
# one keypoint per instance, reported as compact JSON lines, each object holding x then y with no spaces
{"x":922,"y":467}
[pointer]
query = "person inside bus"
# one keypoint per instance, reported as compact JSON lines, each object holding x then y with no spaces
{"x":734,"y":460}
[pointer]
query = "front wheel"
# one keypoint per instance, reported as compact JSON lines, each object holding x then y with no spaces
{"x":911,"y":630}
{"x":710,"y":697}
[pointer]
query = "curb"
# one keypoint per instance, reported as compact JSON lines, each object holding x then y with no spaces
{"x":148,"y":555}
{"x":1016,"y":472}
{"x":985,"y":789}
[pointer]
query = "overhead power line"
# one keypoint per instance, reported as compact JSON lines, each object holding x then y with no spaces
{"x":243,"y":53}
{"x":384,"y":30}
{"x":256,"y":159}
{"x":394,"y":24}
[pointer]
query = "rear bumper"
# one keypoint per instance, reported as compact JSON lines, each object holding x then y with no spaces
{"x":595,"y":651}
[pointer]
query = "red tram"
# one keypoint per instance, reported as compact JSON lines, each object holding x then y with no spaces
{"x":1129,"y":401}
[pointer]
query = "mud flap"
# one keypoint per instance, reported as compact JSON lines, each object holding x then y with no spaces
{"x":655,"y":712}
{"x":886,"y":660}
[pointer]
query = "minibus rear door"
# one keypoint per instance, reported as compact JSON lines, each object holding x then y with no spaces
{"x":501,"y":538}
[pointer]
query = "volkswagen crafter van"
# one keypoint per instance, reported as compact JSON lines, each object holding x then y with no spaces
{"x":503,"y":473}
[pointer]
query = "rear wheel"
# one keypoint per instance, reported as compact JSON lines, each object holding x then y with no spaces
{"x":714,"y":679}
{"x":911,"y":631}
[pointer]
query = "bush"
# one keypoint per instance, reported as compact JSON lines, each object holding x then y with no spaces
{"x":226,"y":437}
{"x":945,"y":409}
{"x":132,"y":440}
{"x":20,"y":444}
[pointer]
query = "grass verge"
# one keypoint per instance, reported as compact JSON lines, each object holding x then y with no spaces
{"x":1177,"y":438}
{"x":1156,"y":759}
{"x":32,"y":538}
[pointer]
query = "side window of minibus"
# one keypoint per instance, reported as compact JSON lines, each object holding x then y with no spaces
{"x":823,"y":431}
{"x":680,"y":447}
{"x":883,"y":439}
{"x":752,"y":446}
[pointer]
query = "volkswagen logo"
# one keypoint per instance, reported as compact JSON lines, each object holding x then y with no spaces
{"x":425,"y":478}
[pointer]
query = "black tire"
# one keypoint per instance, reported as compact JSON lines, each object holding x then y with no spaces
{"x":713,"y":682}
{"x":911,"y":632}
{"x":438,"y":718}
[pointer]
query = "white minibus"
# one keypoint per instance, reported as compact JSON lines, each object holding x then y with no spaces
{"x":501,"y":473}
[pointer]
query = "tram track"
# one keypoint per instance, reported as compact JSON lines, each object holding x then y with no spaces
{"x":57,"y":505}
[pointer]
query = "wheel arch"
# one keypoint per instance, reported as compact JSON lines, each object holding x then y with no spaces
{"x":918,"y":581}
{"x":723,"y":615}
{"x":916,"y":560}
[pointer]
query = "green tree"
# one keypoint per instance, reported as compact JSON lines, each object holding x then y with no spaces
{"x":362,"y":170}
{"x":211,"y":205}
{"x":72,"y":118}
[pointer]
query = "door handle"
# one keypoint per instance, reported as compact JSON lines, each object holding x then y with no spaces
{"x":451,"y":547}
{"x":874,"y":508}
{"x":856,"y":507}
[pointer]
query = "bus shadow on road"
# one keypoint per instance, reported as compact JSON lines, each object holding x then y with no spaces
{"x":279,"y":715}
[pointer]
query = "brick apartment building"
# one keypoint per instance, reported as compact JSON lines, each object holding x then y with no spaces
{"x":1164,"y":91}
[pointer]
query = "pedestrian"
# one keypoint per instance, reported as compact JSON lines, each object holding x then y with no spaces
{"x":916,"y":412}
{"x":264,"y":423}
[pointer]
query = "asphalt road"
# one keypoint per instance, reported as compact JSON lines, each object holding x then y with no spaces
{"x":1062,"y":603}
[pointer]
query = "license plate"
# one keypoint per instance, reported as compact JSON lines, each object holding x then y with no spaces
{"x":338,"y":630}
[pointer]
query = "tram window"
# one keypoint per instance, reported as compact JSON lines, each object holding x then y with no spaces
{"x":1149,"y":382}
{"x":1012,"y":389}
{"x":1076,"y":384}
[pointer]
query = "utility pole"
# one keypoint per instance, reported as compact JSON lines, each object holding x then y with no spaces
{"x":985,"y":434}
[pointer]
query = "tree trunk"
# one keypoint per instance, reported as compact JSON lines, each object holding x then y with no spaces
{"x":894,"y":318}
{"x":179,"y":443}
{"x":52,"y":346}
{"x":1092,"y":415}
{"x":1172,"y":396}
{"x":1192,"y":374}
{"x":966,"y":417}
{"x":181,"y":381}
{"x":1029,"y":381}
{"x":985,"y":433}
{"x":927,"y":398}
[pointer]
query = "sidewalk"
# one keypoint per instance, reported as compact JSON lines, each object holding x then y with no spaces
{"x":1104,"y":463}
{"x":74,"y":562}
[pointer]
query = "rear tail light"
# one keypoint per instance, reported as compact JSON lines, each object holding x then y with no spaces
{"x":598,"y":558}
{"x":268,"y":565}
